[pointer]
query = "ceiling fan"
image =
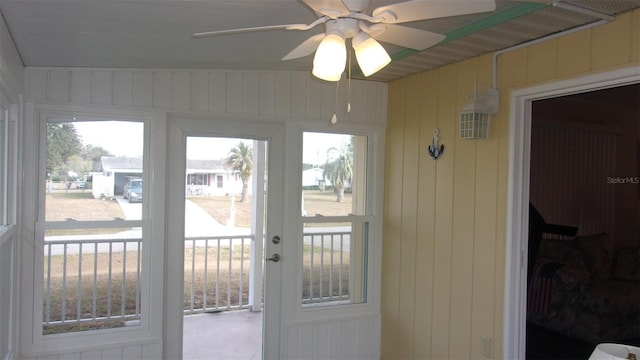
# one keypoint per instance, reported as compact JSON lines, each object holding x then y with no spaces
{"x":348,"y":19}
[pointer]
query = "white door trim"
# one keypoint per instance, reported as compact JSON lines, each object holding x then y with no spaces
{"x":515,"y":289}
{"x":178,"y":131}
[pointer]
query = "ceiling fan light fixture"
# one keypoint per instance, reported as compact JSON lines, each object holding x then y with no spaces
{"x":350,"y":19}
{"x":371,"y":56}
{"x":330,"y":58}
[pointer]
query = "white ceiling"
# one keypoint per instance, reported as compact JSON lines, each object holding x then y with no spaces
{"x":157,"y":33}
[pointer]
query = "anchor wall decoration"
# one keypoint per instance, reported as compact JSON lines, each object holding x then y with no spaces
{"x":434,"y":150}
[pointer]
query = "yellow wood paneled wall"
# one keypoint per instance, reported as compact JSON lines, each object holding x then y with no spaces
{"x":445,"y":220}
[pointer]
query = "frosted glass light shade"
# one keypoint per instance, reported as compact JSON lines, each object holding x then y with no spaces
{"x":330,"y":58}
{"x":370,"y":54}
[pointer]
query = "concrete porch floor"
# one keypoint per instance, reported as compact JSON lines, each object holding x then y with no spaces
{"x":221,"y":336}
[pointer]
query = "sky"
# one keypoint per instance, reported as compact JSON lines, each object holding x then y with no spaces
{"x":125,"y":139}
{"x":118,"y":137}
{"x":315,"y":146}
{"x":206,"y":148}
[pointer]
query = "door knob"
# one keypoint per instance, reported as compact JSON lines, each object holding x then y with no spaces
{"x":274,"y":258}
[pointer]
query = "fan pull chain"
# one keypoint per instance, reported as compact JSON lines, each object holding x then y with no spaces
{"x":334,"y":118}
{"x":349,"y":82}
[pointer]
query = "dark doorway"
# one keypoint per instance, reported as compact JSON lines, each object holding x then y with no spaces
{"x":583,"y":287}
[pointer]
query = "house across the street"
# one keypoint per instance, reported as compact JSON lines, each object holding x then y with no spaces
{"x":203,"y":177}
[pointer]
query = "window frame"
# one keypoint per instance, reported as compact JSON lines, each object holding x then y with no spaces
{"x":9,"y":133}
{"x":372,"y":215}
{"x":4,"y":164}
{"x":154,"y":130}
{"x":9,"y":219}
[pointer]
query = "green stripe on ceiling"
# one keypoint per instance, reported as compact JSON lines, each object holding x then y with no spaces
{"x":494,"y":19}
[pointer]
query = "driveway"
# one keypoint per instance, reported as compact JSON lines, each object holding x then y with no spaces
{"x":197,"y":221}
{"x":131,"y":211}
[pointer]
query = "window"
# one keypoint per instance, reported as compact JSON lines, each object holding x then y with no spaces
{"x":198,"y":179}
{"x":92,"y":224}
{"x":335,"y":219}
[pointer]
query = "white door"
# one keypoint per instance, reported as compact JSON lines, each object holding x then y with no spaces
{"x":272,"y":136}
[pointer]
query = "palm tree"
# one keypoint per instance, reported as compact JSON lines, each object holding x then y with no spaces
{"x":240,"y":159}
{"x":339,"y":168}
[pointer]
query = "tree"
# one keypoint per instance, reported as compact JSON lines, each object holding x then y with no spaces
{"x":94,"y":154}
{"x":240,"y":159}
{"x":338,"y":168}
{"x":77,"y":165}
{"x":62,"y":142}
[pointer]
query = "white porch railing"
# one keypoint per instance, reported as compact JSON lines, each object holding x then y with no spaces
{"x":91,"y":280}
{"x":219,"y":273}
{"x":326,"y":260}
{"x":99,"y":280}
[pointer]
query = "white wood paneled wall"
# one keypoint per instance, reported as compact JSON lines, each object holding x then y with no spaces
{"x":129,"y":352}
{"x":283,"y":96}
{"x":11,"y":69}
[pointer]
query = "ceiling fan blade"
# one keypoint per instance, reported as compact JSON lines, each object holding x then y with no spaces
{"x":244,"y":30}
{"x":406,"y":36}
{"x":431,"y":9}
{"x":306,"y":48}
{"x":331,"y":8}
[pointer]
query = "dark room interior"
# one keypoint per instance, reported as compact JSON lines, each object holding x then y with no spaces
{"x":584,"y":232}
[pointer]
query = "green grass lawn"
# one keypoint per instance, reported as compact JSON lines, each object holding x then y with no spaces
{"x":315,"y":202}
